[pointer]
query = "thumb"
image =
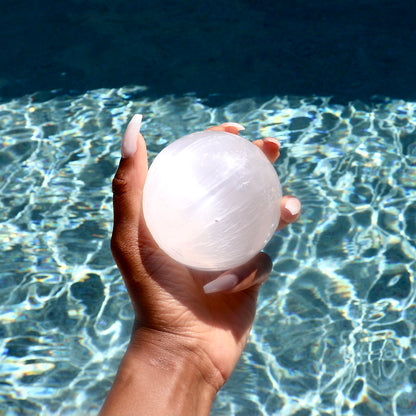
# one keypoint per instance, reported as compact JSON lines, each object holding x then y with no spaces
{"x":128,"y":186}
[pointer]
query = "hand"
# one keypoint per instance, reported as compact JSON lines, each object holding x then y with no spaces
{"x":175,"y":316}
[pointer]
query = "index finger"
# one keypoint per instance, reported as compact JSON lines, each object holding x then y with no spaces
{"x":269,"y":145}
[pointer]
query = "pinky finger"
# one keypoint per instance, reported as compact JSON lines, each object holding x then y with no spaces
{"x":252,"y":273}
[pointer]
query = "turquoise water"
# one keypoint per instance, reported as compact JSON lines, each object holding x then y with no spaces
{"x":334,"y":333}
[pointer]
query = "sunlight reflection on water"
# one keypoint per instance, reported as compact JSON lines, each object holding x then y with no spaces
{"x":334,"y":331}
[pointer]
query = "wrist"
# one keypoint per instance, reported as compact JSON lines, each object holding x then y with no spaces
{"x":166,"y":350}
{"x":161,"y":374}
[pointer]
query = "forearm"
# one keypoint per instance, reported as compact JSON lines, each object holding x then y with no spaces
{"x":157,"y":380}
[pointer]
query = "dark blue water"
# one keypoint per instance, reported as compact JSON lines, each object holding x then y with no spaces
{"x":220,"y":49}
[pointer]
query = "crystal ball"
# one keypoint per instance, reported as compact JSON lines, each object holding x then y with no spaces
{"x":211,"y":200}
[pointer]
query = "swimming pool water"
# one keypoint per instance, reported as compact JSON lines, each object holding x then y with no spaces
{"x":334,"y":333}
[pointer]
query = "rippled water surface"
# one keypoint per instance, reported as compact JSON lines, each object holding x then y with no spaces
{"x":334,"y":334}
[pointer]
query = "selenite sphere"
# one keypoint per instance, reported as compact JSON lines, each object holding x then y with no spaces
{"x":212,"y":200}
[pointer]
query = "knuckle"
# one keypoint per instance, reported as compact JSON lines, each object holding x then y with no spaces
{"x":123,"y":242}
{"x":114,"y":244}
{"x":120,"y":185}
{"x":118,"y":246}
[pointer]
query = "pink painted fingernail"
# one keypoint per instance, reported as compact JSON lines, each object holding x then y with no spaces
{"x":129,"y":143}
{"x":293,"y":206}
{"x":238,"y":126}
{"x":222,"y":283}
{"x":272,"y":140}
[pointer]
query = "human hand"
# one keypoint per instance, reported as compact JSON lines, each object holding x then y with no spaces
{"x":204,"y":318}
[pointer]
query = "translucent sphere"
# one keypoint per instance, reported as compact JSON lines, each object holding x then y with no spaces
{"x":212,"y":200}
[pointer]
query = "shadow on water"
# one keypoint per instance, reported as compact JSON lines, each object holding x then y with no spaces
{"x":221,"y":49}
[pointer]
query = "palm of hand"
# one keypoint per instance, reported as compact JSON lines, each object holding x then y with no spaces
{"x":171,"y":300}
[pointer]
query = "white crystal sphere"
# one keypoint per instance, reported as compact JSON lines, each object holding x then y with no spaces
{"x":212,"y":200}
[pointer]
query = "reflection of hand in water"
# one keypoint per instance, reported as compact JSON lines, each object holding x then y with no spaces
{"x":185,"y":342}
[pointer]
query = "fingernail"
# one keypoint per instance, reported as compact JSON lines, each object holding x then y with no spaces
{"x":238,"y":126}
{"x":129,"y":143}
{"x":221,"y":283}
{"x":272,"y":140}
{"x":293,"y":206}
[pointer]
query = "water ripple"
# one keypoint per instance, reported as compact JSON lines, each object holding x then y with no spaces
{"x":334,"y":334}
